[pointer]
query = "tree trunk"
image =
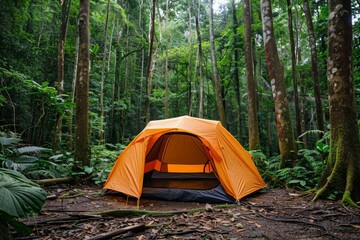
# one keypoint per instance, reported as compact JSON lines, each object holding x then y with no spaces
{"x":293,"y":70}
{"x":254,"y":140}
{"x":65,"y":7}
{"x":189,"y":68}
{"x":218,"y":95}
{"x":314,"y":67}
{"x":102,"y":113}
{"x":342,"y":171}
{"x":235,"y":75}
{"x":286,"y":139}
{"x":166,"y":101}
{"x":301,"y":81}
{"x":82,"y":149}
{"x":149,"y":66}
{"x":200,"y":51}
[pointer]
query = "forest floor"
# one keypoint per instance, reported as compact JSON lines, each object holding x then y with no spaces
{"x":81,"y":212}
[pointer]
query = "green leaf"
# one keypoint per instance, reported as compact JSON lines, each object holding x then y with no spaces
{"x":30,"y":149}
{"x":8,"y":141}
{"x":88,"y":170}
{"x":19,"y":227}
{"x":19,"y":197}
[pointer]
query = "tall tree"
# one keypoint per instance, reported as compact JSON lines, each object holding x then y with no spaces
{"x":314,"y":67}
{"x":235,"y":77}
{"x":218,"y":94}
{"x":166,"y":101}
{"x":254,"y":139}
{"x":150,"y":63}
{"x":200,"y":59}
{"x":82,"y":148}
{"x":276,"y":74}
{"x":293,"y":69}
{"x":342,"y":172}
{"x":102,"y":80}
{"x":65,"y":9}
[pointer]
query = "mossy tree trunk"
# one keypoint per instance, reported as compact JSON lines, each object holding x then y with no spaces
{"x":342,"y":171}
{"x":286,"y":139}
{"x":254,"y":138}
{"x":82,"y":147}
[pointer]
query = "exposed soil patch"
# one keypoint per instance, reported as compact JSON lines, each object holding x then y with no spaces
{"x":73,"y":213}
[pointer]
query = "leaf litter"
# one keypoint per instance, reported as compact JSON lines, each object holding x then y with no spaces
{"x":268,"y":214}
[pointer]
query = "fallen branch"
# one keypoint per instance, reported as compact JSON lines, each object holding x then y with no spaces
{"x":53,"y":181}
{"x":137,"y":212}
{"x":183,"y":232}
{"x":63,"y":219}
{"x":294,"y":221}
{"x":138,"y":227}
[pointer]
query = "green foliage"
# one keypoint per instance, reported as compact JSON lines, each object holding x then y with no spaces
{"x":30,"y":160}
{"x":19,"y":197}
{"x":303,"y":176}
{"x":103,"y":160}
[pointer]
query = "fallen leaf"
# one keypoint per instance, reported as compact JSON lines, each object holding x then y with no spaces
{"x":208,"y":208}
{"x":239,"y":225}
{"x":355,"y":226}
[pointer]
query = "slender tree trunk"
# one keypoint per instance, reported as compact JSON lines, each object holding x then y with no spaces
{"x":200,"y":53}
{"x":102,"y":112}
{"x":235,"y":77}
{"x":65,"y":6}
{"x":301,"y":81}
{"x":314,"y":67}
{"x":150,"y":63}
{"x":73,"y":89}
{"x":293,"y":69}
{"x":189,"y":73}
{"x":342,"y":171}
{"x":218,"y":95}
{"x":286,"y":139}
{"x":254,"y":139}
{"x":82,"y":148}
{"x":166,"y":101}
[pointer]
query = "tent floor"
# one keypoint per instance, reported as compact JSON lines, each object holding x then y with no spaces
{"x":194,"y":183}
{"x":198,"y":187}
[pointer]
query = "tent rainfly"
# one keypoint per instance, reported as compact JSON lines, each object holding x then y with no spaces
{"x":185,"y":159}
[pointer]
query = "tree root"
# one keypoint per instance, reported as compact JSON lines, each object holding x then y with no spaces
{"x":137,"y":228}
{"x":294,"y":221}
{"x":137,"y":212}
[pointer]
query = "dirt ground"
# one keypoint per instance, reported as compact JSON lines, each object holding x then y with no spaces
{"x":79,"y":212}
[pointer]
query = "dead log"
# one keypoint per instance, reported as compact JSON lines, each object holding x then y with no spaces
{"x":137,"y":228}
{"x":53,"y":181}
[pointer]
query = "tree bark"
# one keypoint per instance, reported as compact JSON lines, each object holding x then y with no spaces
{"x":342,"y":171}
{"x":166,"y":101}
{"x":286,"y":139}
{"x":293,"y":70}
{"x":235,"y":74}
{"x":314,"y":67}
{"x":65,"y":7}
{"x":82,"y":148}
{"x":149,"y":64}
{"x":254,"y":139}
{"x":218,"y":95}
{"x":200,"y":52}
{"x":102,"y":112}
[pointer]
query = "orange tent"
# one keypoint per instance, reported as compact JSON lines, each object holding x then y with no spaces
{"x":185,"y":145}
